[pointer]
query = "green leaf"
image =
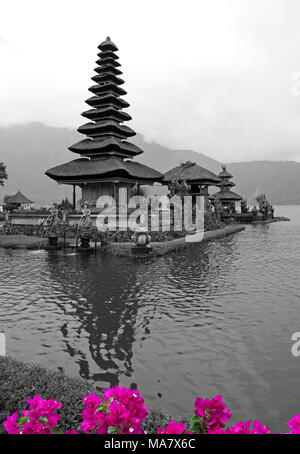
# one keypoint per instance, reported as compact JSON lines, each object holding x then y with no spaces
{"x":195,"y":424}
{"x":112,"y":430}
{"x":102,"y":407}
{"x":43,"y":419}
{"x":57,"y":431}
{"x":22,"y":421}
{"x":94,"y":431}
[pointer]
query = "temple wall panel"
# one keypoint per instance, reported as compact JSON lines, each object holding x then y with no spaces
{"x":91,"y":192}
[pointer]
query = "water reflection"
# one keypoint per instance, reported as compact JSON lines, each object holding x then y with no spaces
{"x":106,"y":314}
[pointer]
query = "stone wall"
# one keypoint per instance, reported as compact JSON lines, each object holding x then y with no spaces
{"x":166,"y":247}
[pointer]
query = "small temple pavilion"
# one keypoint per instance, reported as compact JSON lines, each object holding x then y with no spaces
{"x":106,"y":160}
{"x":17,"y":201}
{"x":195,"y":177}
{"x":226,"y":197}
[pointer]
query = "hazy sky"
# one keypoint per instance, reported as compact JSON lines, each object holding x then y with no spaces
{"x":210,"y":75}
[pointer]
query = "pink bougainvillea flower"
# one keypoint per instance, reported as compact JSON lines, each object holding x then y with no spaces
{"x":259,"y":428}
{"x":172,"y":428}
{"x":43,"y":405}
{"x":131,"y":399}
{"x":213,"y":412}
{"x":215,"y":431}
{"x":240,"y":428}
{"x":294,"y":424}
{"x":118,"y":415}
{"x":121,"y":410}
{"x":91,"y":417}
{"x":42,"y":408}
{"x":245,"y":428}
{"x":39,"y":419}
{"x":11,"y":424}
{"x":36,"y":427}
{"x":131,"y":429}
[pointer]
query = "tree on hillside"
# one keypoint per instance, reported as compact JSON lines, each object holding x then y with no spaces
{"x":3,"y":174}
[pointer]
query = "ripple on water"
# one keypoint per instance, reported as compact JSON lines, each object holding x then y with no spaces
{"x":215,"y":319}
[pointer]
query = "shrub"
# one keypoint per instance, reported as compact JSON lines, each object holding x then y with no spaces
{"x":116,"y":411}
{"x":20,"y":381}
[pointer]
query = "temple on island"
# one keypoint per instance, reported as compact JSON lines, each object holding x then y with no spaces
{"x":106,"y":163}
{"x":195,"y":177}
{"x":226,"y":198}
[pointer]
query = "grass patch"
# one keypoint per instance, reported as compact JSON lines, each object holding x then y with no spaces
{"x":20,"y":381}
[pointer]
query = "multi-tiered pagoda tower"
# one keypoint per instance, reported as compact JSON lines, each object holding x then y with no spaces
{"x":106,"y":163}
{"x":226,"y":197}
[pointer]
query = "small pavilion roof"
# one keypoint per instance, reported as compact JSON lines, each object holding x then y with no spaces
{"x":19,"y":199}
{"x":191,"y":173}
{"x":106,"y":167}
{"x":226,"y":196}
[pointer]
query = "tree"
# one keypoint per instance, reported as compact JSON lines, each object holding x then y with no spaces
{"x":265,"y":207}
{"x":178,"y":187}
{"x":65,"y":205}
{"x":3,"y":174}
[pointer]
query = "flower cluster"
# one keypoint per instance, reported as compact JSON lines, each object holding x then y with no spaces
{"x":211,"y":414}
{"x":173,"y":428}
{"x":39,"y":419}
{"x":294,"y":424}
{"x":245,"y":428}
{"x":122,"y":411}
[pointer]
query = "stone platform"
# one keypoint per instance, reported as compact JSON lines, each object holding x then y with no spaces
{"x":120,"y":249}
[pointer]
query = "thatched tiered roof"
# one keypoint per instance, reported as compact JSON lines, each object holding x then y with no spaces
{"x":106,"y":144}
{"x":225,"y":194}
{"x":106,"y":113}
{"x":18,"y":199}
{"x":228,"y":196}
{"x":191,"y":173}
{"x":104,"y":168}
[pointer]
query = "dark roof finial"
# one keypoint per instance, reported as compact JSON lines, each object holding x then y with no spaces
{"x":108,"y":45}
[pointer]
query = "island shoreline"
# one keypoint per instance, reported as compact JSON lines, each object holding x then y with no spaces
{"x":121,"y":249}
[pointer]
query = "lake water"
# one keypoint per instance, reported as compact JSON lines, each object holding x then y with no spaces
{"x":216,"y":319}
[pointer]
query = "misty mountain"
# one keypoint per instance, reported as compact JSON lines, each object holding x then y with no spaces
{"x":279,"y":180}
{"x":30,"y":149}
